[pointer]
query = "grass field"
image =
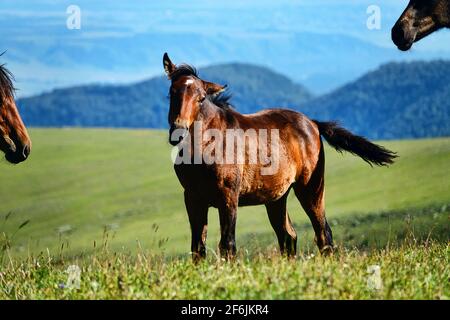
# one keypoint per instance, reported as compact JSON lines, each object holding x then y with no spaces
{"x":109,"y":201}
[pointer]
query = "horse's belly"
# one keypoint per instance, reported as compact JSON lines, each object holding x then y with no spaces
{"x":265,"y":189}
{"x":254,"y":188}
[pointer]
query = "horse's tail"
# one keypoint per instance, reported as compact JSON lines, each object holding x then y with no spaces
{"x":342,"y":139}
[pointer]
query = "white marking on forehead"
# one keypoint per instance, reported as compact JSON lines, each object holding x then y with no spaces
{"x":189,"y":81}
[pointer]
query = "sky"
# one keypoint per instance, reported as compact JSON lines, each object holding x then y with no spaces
{"x":320,"y":43}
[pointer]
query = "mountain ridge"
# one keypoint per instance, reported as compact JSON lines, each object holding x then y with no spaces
{"x":397,"y":100}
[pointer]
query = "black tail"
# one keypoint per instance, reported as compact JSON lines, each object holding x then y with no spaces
{"x":342,"y":139}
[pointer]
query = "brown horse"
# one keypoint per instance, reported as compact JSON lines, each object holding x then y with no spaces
{"x":14,"y":139}
{"x":420,"y":18}
{"x":196,"y":105}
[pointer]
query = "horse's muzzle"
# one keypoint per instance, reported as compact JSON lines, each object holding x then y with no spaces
{"x":18,"y":155}
{"x":177,"y":134}
{"x":403,"y":36}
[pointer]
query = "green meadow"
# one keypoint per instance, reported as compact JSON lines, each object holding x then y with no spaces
{"x":102,"y":197}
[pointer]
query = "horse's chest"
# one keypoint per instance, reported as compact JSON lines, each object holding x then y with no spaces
{"x":192,"y":176}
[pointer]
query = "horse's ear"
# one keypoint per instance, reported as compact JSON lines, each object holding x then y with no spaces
{"x":213,"y":88}
{"x":169,"y":67}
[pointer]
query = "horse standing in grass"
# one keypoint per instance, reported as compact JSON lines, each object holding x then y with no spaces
{"x":420,"y":18}
{"x":14,"y":139}
{"x":195,"y":103}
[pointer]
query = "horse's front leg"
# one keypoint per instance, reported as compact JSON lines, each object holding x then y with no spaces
{"x":227,"y":217}
{"x":197,"y":210}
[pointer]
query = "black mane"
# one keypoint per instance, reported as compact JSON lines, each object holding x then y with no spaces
{"x":183,"y":70}
{"x":6,"y":82}
{"x":222,"y":100}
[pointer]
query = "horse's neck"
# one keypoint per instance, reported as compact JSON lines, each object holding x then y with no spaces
{"x":208,"y":113}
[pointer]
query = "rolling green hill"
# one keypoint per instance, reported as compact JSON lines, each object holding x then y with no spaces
{"x":80,"y":185}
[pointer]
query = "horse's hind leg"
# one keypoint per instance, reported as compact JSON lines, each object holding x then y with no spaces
{"x":312,"y":201}
{"x":312,"y":198}
{"x":281,"y":223}
{"x":197,"y":211}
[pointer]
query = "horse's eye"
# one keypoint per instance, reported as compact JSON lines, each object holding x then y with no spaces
{"x":201,"y":98}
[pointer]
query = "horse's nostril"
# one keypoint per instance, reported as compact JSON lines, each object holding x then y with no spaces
{"x":398,"y":33}
{"x":403,"y":36}
{"x":26,"y":151}
{"x":181,"y":124}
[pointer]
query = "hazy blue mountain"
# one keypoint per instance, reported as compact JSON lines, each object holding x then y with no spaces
{"x":321,"y":44}
{"x":145,"y":104}
{"x":321,"y":62}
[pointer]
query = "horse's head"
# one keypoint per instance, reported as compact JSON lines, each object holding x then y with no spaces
{"x":14,"y":139}
{"x":187,"y":94}
{"x":420,"y":18}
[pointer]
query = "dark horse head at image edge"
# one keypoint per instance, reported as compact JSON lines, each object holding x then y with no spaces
{"x":420,"y":19}
{"x":14,"y":139}
{"x":300,"y":157}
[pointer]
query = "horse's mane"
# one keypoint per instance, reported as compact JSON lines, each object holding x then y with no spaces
{"x":6,"y":83}
{"x":184,"y":70}
{"x":222,"y":100}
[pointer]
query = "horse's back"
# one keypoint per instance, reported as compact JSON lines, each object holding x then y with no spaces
{"x":281,"y":118}
{"x":294,"y":128}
